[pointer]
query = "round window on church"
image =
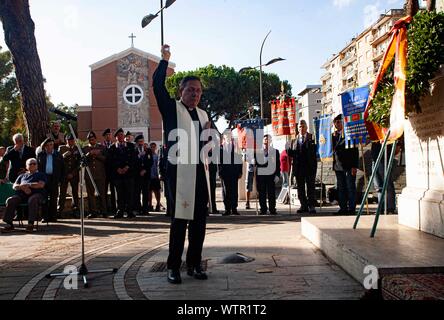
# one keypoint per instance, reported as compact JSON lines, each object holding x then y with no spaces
{"x":133,"y":95}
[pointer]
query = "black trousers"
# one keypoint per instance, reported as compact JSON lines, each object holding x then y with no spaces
{"x":230,"y":193}
{"x":74,"y":182}
{"x":266,"y":189}
{"x":111,"y":201}
{"x":307,"y":196}
{"x":52,"y":189}
{"x":125,"y":194}
{"x":196,"y":229}
{"x":213,"y":175}
{"x":142,"y":187}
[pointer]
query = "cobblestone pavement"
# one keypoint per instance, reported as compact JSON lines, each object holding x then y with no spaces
{"x":286,"y":265}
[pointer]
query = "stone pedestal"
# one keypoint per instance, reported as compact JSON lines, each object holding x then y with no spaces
{"x":421,"y":204}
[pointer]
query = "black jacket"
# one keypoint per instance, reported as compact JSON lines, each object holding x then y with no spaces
{"x":17,"y":165}
{"x":145,"y":162}
{"x":230,"y":164}
{"x":120,"y":158}
{"x":58,"y":166}
{"x":273,"y":163}
{"x":304,"y":160}
{"x":343,"y":159}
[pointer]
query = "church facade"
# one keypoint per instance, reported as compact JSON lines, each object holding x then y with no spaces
{"x":123,"y":97}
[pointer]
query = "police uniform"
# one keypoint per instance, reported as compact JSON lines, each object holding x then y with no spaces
{"x":71,"y":159}
{"x":96,"y":164}
{"x":123,"y":155}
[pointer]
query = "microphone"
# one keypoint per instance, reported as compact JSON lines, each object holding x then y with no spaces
{"x":67,"y":116}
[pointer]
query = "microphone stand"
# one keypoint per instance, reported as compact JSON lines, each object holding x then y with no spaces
{"x":82,"y":270}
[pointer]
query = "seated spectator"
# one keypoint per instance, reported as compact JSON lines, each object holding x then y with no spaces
{"x":3,"y":166}
{"x":30,"y":189}
{"x":17,"y":155}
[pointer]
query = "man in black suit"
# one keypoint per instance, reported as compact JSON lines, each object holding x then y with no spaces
{"x":302,"y":150}
{"x":144,"y":163}
{"x":111,"y":202}
{"x":50,"y":162}
{"x":268,"y":171}
{"x":17,"y":156}
{"x":230,"y":171}
{"x":345,"y":166}
{"x":122,"y":156}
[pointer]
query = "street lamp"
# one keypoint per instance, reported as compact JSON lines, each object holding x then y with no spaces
{"x":147,"y":19}
{"x":260,"y":73}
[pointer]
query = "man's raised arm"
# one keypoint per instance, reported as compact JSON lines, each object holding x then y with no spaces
{"x":164,"y":101}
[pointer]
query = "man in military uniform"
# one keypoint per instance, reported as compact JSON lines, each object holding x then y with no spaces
{"x":109,"y":184}
{"x":123,"y":156}
{"x":71,"y":159}
{"x":95,"y":154}
{"x":142,"y":175}
{"x":56,"y":135}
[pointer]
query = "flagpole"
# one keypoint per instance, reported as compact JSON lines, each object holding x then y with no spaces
{"x":365,"y":171}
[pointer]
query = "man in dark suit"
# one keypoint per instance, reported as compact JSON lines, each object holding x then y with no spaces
{"x":302,"y":150}
{"x":17,"y":156}
{"x":345,"y":166}
{"x":230,"y":171}
{"x":122,"y":156}
{"x":71,"y":158}
{"x":109,"y":184}
{"x":144,"y":163}
{"x":51,"y":163}
{"x":268,"y":171}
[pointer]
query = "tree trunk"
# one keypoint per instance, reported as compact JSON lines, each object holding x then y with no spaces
{"x":431,"y":5}
{"x":412,"y":7}
{"x":19,"y":36}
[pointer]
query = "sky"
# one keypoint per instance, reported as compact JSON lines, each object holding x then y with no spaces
{"x":73,"y":34}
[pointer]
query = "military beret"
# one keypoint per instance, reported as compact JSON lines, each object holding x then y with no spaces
{"x":69,"y":136}
{"x":128,"y":134}
{"x":90,"y":135}
{"x":107,"y":131}
{"x":120,"y":130}
{"x":139,"y":137}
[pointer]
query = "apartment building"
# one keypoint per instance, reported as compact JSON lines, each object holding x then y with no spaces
{"x":309,"y":104}
{"x":358,"y":63}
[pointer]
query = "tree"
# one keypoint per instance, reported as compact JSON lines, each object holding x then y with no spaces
{"x":228,"y":93}
{"x":19,"y":36}
{"x":11,"y":115}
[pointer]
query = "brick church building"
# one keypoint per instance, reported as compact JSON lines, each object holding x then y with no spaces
{"x":123,"y":97}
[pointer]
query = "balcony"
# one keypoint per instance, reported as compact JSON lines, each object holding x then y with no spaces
{"x":326,"y":88}
{"x":350,"y":74}
{"x":348,"y":60}
{"x":378,"y":55}
{"x":326,"y":76}
{"x":327,"y":100}
{"x":379,"y":38}
{"x":349,"y":85}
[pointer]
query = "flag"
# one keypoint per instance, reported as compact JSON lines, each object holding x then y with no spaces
{"x":354,"y":103}
{"x":397,"y":49}
{"x":247,"y":132}
{"x":324,"y":141}
{"x":283,"y":114}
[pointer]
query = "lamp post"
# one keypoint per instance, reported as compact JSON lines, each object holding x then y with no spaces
{"x":260,"y":66}
{"x":147,"y":19}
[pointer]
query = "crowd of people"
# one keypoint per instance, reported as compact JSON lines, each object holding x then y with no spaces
{"x":126,"y":175}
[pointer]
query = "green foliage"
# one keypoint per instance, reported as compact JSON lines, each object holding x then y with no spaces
{"x":425,"y":56}
{"x":9,"y":99}
{"x":229,"y":93}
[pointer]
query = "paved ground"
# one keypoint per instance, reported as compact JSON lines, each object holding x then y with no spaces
{"x":286,"y":265}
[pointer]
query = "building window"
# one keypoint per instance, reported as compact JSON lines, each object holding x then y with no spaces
{"x":318,"y":101}
{"x":133,"y":95}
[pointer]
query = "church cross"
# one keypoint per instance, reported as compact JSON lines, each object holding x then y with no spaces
{"x":185,"y":205}
{"x":132,"y":36}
